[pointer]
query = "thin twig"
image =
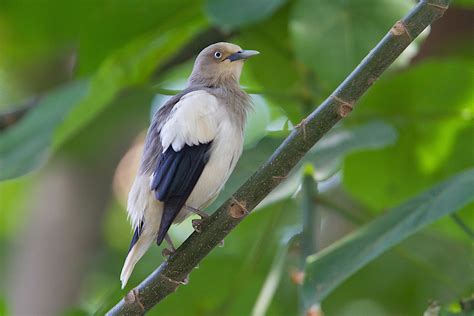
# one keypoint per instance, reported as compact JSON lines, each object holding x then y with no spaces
{"x":311,"y":230}
{"x":199,"y":245}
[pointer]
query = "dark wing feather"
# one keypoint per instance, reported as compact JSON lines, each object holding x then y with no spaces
{"x":136,"y":235}
{"x":176,"y":174}
{"x":152,"y":154}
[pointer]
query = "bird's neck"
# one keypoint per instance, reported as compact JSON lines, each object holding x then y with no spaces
{"x":213,"y":81}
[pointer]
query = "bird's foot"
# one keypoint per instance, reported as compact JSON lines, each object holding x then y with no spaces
{"x":168,"y":251}
{"x":221,"y":244}
{"x":185,"y":280}
{"x":198,"y":223}
{"x":197,"y":211}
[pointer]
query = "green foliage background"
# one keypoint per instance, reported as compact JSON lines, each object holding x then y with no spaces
{"x":94,"y":64}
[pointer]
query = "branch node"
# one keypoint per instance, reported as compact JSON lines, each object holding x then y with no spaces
{"x":302,"y":124}
{"x":439,"y":7}
{"x":399,"y":29}
{"x":297,"y":277}
{"x":132,"y":297}
{"x":314,"y":310}
{"x":237,"y":209}
{"x":371,"y":80}
{"x":344,"y":107}
{"x":177,"y":283}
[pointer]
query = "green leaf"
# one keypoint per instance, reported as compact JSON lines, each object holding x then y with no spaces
{"x":26,"y":145}
{"x":433,"y":117}
{"x":65,"y":111}
{"x":258,"y":119}
{"x":333,"y":265}
{"x":231,"y":13}
{"x":328,"y":153}
{"x":95,"y":29}
{"x":271,"y":39}
{"x":272,"y":281}
{"x":325,"y":156}
{"x":332,"y":36}
{"x":130,"y":66}
{"x":468,"y":4}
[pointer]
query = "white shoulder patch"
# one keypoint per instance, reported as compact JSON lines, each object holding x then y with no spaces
{"x":192,"y":121}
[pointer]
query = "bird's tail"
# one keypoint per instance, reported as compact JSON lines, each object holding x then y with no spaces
{"x":145,"y":214}
{"x":136,"y":252}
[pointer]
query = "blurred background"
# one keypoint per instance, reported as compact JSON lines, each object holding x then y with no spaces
{"x":80,"y":79}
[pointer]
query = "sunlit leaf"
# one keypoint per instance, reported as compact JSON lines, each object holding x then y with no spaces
{"x":333,"y":265}
{"x":231,"y":13}
{"x":27,"y":144}
{"x":433,"y":117}
{"x":130,"y":66}
{"x":328,"y":153}
{"x":257,"y":121}
{"x":276,"y":69}
{"x":332,"y":36}
{"x":62,"y":113}
{"x":464,"y":3}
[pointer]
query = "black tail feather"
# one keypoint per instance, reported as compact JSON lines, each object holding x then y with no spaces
{"x":136,"y":235}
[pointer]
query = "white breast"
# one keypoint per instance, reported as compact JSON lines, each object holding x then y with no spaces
{"x":199,"y":118}
{"x":225,"y":152}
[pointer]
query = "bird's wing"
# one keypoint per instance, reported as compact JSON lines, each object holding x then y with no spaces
{"x":186,"y":138}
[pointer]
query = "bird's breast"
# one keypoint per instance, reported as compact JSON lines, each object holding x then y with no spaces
{"x":224,"y":153}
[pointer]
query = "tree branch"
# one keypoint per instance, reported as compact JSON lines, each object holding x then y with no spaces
{"x":168,"y":276}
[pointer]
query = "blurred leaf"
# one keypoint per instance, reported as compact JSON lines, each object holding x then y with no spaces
{"x":271,"y":39}
{"x":332,"y":36}
{"x":39,"y":29}
{"x":328,"y":153}
{"x":325,"y":156}
{"x":468,"y":4}
{"x":3,"y":306}
{"x":230,"y":13}
{"x":433,"y":117}
{"x":330,"y":267}
{"x":423,"y":267}
{"x":258,"y":119}
{"x":129,"y":66}
{"x":26,"y":145}
{"x":75,"y":312}
{"x":271,"y":283}
{"x":14,"y":202}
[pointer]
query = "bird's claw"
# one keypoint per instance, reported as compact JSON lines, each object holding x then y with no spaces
{"x":185,"y":280}
{"x":198,"y":224}
{"x":167,"y":252}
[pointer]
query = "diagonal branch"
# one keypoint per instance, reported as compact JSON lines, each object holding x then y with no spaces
{"x":168,"y":276}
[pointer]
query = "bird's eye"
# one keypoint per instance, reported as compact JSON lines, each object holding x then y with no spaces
{"x":218,"y":54}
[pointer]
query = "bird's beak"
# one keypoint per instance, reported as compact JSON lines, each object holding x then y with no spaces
{"x":242,"y":54}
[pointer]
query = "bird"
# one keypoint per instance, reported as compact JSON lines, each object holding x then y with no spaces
{"x":192,"y":146}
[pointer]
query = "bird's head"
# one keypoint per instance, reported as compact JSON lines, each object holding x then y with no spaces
{"x":219,"y":63}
